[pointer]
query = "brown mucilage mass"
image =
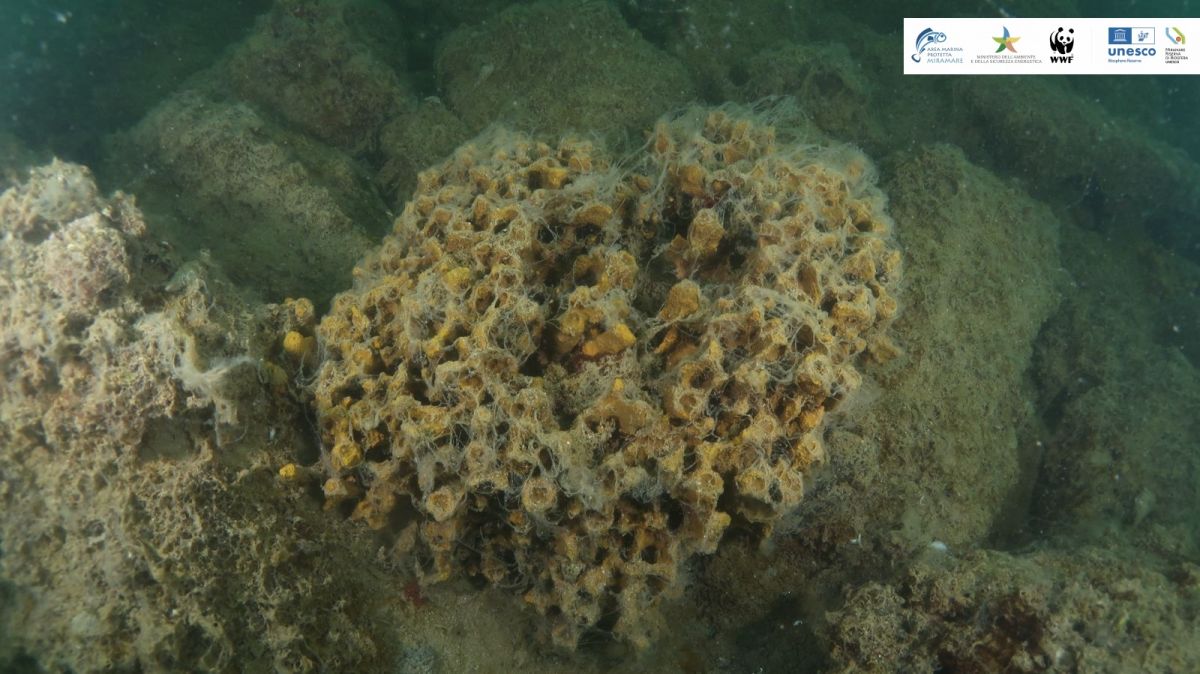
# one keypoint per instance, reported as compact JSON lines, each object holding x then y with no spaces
{"x":582,"y":372}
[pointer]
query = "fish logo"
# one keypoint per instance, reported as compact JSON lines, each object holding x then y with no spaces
{"x":1175,"y":36}
{"x":927,"y":37}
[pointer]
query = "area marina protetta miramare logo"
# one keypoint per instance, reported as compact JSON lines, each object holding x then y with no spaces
{"x":930,"y":46}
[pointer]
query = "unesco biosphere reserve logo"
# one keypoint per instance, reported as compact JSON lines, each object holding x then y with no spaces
{"x":1006,"y":41}
{"x":1175,"y":53}
{"x":1128,"y":44}
{"x":1062,"y":42}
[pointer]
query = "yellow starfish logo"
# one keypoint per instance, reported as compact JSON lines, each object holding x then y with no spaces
{"x":1006,"y":42}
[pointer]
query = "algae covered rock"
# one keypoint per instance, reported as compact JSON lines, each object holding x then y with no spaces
{"x":1084,"y":609}
{"x":947,"y":451}
{"x":330,"y":69}
{"x":551,"y":67}
{"x":282,"y":214}
{"x":65,"y":259}
{"x":1077,"y":155}
{"x":945,"y":455}
{"x":948,"y":443}
{"x":716,"y":39}
{"x":581,"y":374}
{"x":52,"y":196}
{"x":827,"y":80}
{"x":14,"y":159}
{"x":141,"y":414}
{"x":1119,"y":389}
{"x":415,"y":141}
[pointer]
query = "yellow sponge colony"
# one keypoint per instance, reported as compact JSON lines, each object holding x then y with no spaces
{"x":582,"y":372}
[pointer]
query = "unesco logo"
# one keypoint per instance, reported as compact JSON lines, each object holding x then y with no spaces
{"x":1140,"y":42}
{"x":1062,"y":42}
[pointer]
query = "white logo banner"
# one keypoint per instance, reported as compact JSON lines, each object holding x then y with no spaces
{"x":1013,"y":46}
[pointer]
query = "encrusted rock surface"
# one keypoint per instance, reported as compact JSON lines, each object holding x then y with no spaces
{"x":581,"y":374}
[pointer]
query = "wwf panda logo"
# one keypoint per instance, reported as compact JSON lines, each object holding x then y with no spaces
{"x":1062,"y":42}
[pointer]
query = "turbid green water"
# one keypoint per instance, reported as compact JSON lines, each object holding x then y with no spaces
{"x":237,"y":431}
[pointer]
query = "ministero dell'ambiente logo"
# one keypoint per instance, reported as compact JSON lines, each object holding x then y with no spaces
{"x":927,"y":47}
{"x":1006,"y":41}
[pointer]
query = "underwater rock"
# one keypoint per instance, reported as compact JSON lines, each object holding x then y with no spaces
{"x":413,"y":142}
{"x":1119,"y":390}
{"x":51,"y":197}
{"x":282,"y":214}
{"x":1086,"y":609}
{"x":15,"y":158}
{"x":948,"y":443}
{"x":716,"y":40}
{"x":83,"y":262}
{"x":1080,"y":158}
{"x":330,"y":69}
{"x":142,"y":405}
{"x":824,"y":78}
{"x":550,"y":67}
{"x":418,"y":660}
{"x":581,"y":374}
{"x":946,"y":450}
